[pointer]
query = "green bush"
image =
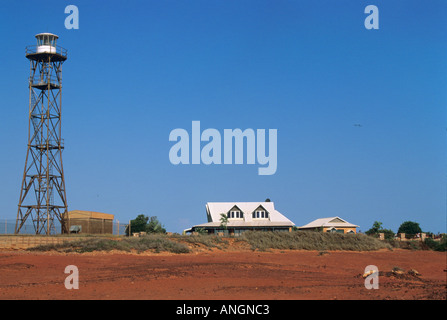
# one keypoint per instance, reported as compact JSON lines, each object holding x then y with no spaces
{"x":377,"y":228}
{"x":436,"y":245}
{"x":427,"y":244}
{"x":144,"y":223}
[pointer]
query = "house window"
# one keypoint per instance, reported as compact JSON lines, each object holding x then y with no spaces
{"x":235,"y":214}
{"x":260,"y":214}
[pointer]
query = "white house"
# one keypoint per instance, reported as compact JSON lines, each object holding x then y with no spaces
{"x":243,"y":216}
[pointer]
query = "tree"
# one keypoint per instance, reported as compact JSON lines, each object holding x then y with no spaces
{"x":154,"y":226}
{"x":410,"y":228}
{"x":223,"y":220}
{"x":377,"y":228}
{"x":138,"y":224}
{"x":389,"y":234}
{"x":147,"y":224}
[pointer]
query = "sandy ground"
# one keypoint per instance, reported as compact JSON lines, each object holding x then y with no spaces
{"x":216,"y":275}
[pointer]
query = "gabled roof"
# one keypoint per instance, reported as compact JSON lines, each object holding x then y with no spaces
{"x":329,"y":222}
{"x":232,"y":208}
{"x":215,"y":209}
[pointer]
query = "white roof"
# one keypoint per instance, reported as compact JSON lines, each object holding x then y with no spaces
{"x":215,"y":209}
{"x":328,"y":222}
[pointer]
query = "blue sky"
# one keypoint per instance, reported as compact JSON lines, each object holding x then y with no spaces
{"x":310,"y":69}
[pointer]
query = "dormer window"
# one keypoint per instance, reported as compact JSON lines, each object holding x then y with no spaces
{"x":235,"y":213}
{"x":260,"y":213}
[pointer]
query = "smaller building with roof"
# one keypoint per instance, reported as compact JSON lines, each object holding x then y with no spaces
{"x":332,"y":224}
{"x":79,"y":221}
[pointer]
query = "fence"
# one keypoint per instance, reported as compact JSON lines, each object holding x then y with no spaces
{"x":28,"y":241}
{"x":7,"y":226}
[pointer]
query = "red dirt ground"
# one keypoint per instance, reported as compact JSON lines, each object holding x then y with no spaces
{"x":216,"y":275}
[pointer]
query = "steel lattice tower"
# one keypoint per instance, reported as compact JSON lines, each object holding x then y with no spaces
{"x":42,"y":195}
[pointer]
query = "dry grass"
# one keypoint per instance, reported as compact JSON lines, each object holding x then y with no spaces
{"x":310,"y":240}
{"x":156,"y":243}
{"x":298,"y":240}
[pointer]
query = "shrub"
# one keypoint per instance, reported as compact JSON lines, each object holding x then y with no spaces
{"x":205,"y":239}
{"x":436,"y":245}
{"x":158,"y":243}
{"x":144,"y":223}
{"x":311,"y":240}
{"x":377,"y":228}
